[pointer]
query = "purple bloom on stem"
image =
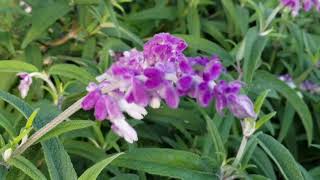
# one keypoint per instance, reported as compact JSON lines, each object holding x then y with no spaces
{"x":161,"y":72}
{"x":100,"y":109}
{"x":185,"y":67}
{"x":212,"y":69}
{"x":184,"y":83}
{"x":307,"y":5}
{"x":227,"y":95}
{"x":310,"y":86}
{"x":139,"y":93}
{"x":287,"y":78}
{"x":155,"y":78}
{"x":204,"y":97}
{"x":25,"y":83}
{"x":90,"y":100}
{"x":163,"y":47}
{"x":241,"y":106}
{"x":170,"y":95}
{"x":293,"y":5}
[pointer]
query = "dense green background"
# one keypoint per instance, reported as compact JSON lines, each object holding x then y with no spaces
{"x":71,"y":40}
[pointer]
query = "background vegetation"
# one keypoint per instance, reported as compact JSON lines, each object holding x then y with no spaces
{"x":71,"y":41}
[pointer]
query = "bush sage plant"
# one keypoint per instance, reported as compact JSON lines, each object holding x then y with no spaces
{"x":159,"y":89}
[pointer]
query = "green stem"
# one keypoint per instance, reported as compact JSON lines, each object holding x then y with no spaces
{"x":56,"y":121}
{"x":271,"y":17}
{"x":46,"y":78}
{"x":240,"y":151}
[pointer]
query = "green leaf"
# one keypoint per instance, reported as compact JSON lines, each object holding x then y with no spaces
{"x":281,"y":157}
{"x":58,"y":161}
{"x":286,"y":121}
{"x":208,"y":47}
{"x":7,"y":125}
{"x":260,"y":100}
{"x":210,"y":28}
{"x":43,"y":17}
{"x":263,"y":163}
{"x":165,"y":162}
{"x":193,"y":21}
{"x":85,"y":149}
{"x":94,"y":171}
{"x":16,"y":66}
{"x":34,"y":56}
{"x":315,"y":172}
{"x":66,"y":127}
{"x":124,"y":33}
{"x":88,"y":51}
{"x":125,"y":177}
{"x":3,"y":172}
{"x":254,"y":45}
{"x":316,"y":146}
{"x":86,"y":2}
{"x":215,"y":137}
{"x":71,"y":71}
{"x":27,"y":167}
{"x":305,"y":173}
{"x":154,"y":13}
{"x":268,"y":81}
{"x":264,"y":119}
{"x":31,"y":118}
{"x":232,"y":15}
{"x":6,"y":41}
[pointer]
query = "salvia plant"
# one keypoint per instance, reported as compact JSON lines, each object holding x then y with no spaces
{"x":159,"y":89}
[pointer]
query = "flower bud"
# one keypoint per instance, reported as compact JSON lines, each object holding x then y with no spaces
{"x":7,"y":154}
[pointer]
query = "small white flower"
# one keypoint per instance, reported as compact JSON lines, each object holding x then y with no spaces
{"x":25,"y":83}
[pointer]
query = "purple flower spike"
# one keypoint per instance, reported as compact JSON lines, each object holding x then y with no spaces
{"x":212,"y":70}
{"x":227,"y":95}
{"x":163,"y":47}
{"x":25,"y":83}
{"x":184,"y":83}
{"x":90,"y":100}
{"x":316,"y":4}
{"x":161,"y":72}
{"x":221,"y":103}
{"x":204,"y":98}
{"x":112,"y":108}
{"x":307,"y":5}
{"x":139,"y":93}
{"x":155,"y":78}
{"x":293,"y":5}
{"x":310,"y":86}
{"x":241,"y":106}
{"x":185,"y":67}
{"x":171,"y":96}
{"x":100,"y":109}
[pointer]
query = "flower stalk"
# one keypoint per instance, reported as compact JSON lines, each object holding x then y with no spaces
{"x":273,"y":14}
{"x":241,"y":151}
{"x":55,"y":122}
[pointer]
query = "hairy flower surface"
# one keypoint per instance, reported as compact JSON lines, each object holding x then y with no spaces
{"x":296,"y":5}
{"x":25,"y":83}
{"x":161,"y":72}
{"x":310,"y":86}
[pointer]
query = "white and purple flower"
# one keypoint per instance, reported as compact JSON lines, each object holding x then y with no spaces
{"x":295,"y":5}
{"x":310,"y":86}
{"x":161,"y":72}
{"x":25,"y":83}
